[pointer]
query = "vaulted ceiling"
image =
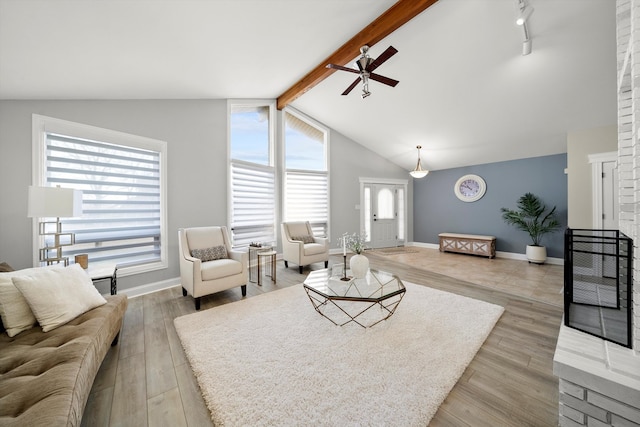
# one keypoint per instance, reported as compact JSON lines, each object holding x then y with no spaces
{"x":466,"y":93}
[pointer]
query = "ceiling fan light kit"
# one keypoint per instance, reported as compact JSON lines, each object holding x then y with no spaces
{"x":418,"y":172}
{"x":366,"y":65}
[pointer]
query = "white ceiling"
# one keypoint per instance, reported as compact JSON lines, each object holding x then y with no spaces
{"x":466,"y":93}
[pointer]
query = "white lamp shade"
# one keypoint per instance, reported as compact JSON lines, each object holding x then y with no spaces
{"x":49,"y":202}
{"x":419,"y":173}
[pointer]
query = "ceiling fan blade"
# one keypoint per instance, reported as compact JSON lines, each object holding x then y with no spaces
{"x":340,"y":67}
{"x":383,"y":79}
{"x":350,"y":88}
{"x":382,"y":58}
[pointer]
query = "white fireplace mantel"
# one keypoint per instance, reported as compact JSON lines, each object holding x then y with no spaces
{"x":598,"y":379}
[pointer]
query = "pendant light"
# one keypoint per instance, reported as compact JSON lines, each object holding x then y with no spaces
{"x":418,"y":172}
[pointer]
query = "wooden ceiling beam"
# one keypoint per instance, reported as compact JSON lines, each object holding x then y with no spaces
{"x":397,"y":15}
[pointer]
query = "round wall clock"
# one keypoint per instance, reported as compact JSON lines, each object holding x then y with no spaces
{"x":470,"y":188}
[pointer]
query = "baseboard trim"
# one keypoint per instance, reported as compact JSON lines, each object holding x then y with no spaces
{"x":170,"y":283}
{"x":150,"y":287}
{"x":499,"y":254}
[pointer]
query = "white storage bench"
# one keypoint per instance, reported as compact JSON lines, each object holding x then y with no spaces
{"x":468,"y":244}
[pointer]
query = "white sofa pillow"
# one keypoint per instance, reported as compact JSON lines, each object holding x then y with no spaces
{"x":58,"y":295}
{"x":14,"y":310}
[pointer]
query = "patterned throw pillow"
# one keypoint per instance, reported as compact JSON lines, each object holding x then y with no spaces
{"x":210,"y":254}
{"x":304,"y":239}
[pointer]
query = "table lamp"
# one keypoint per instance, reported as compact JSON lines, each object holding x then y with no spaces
{"x":54,"y":202}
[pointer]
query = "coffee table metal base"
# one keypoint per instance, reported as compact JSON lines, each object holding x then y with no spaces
{"x":365,"y":301}
{"x":360,"y":312}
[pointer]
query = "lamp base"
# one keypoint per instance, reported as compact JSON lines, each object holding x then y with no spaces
{"x":58,"y":237}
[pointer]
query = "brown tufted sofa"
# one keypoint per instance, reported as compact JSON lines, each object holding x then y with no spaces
{"x":46,"y":377}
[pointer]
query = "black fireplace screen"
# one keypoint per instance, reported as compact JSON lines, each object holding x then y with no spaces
{"x":597,"y":283}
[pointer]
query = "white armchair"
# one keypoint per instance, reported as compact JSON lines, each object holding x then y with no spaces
{"x":208,"y":264}
{"x":300,"y":246}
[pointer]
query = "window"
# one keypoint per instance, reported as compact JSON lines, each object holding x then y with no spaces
{"x":252,"y":174}
{"x":401,"y":213}
{"x":366,"y":212}
{"x":122,"y":178}
{"x":386,"y":208}
{"x":306,"y":182}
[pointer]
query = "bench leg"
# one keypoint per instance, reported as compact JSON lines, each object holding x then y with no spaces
{"x":243,"y":288}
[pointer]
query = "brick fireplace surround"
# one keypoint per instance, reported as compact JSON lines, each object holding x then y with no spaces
{"x":599,"y":380}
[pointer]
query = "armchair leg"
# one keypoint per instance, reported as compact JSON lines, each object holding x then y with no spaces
{"x":286,"y":264}
{"x":197,"y":303}
{"x":300,"y":268}
{"x":244,"y":290}
{"x":326,"y":264}
{"x":184,"y":292}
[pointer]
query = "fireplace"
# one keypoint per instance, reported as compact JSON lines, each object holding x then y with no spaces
{"x":598,"y":284}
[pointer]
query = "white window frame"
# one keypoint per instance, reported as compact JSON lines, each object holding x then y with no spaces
{"x":327,"y":138}
{"x":41,"y":125}
{"x":271,"y":104}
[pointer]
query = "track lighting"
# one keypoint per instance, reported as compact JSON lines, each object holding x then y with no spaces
{"x":525,"y":13}
{"x":418,"y":172}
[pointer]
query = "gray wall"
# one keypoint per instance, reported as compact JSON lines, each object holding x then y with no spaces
{"x":438,"y":210}
{"x":195,"y":131}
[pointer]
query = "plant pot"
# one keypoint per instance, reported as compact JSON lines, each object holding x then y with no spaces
{"x":536,"y":254}
{"x":359,"y":265}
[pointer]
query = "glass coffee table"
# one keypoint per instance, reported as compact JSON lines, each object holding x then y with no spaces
{"x":366,"y":302}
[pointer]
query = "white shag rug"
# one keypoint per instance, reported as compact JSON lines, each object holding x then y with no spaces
{"x":272,"y":360}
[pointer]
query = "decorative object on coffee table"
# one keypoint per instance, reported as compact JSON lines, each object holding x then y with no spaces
{"x":356,"y":243}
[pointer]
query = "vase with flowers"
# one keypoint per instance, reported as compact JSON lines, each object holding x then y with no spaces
{"x":356,"y":243}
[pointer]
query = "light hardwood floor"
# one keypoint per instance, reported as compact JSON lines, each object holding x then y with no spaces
{"x":146,"y":380}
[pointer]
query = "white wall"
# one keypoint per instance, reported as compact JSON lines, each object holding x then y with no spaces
{"x":195,"y":131}
{"x":579,"y":181}
{"x":628,"y":35}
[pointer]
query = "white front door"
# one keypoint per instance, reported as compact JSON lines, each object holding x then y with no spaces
{"x":384,"y":216}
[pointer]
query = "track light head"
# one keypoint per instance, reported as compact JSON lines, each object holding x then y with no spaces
{"x":524,"y":14}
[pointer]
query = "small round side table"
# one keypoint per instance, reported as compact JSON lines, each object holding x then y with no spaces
{"x":270,"y":257}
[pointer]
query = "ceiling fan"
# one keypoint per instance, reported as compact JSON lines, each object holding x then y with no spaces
{"x":366,"y":66}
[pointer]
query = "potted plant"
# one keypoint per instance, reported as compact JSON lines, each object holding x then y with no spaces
{"x":532,"y":216}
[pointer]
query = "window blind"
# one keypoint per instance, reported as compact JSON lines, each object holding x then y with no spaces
{"x":306,"y":199}
{"x":121,"y":191}
{"x":252,"y":203}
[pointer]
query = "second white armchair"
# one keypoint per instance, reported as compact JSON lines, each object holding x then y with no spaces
{"x":301,"y":247}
